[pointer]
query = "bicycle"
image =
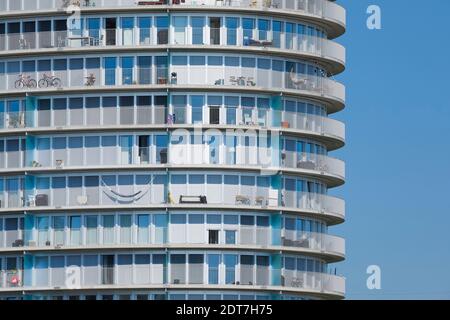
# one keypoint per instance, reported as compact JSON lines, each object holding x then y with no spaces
{"x":90,"y":80}
{"x":49,"y":81}
{"x":25,"y":81}
{"x":297,"y":283}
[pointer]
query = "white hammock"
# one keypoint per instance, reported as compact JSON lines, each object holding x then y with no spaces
{"x":127,"y":197}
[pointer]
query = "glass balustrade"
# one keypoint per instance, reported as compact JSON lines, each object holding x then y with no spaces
{"x":322,"y":8}
{"x":147,"y":114}
{"x":188,"y":36}
{"x":176,"y":154}
{"x":181,"y":76}
{"x":175,"y":270}
{"x":94,"y":190}
{"x":256,"y":231}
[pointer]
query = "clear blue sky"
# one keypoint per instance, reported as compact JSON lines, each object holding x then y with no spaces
{"x":398,"y":149}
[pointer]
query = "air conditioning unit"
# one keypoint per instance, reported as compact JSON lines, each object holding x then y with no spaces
{"x":82,"y":200}
{"x":32,"y":243}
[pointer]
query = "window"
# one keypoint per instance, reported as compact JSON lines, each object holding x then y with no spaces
{"x":198,"y":24}
{"x":179,"y":103}
{"x":75,"y":230}
{"x":214,"y":30}
{"x":43,"y":231}
{"x":248,"y":25}
{"x":92,"y":63}
{"x":213,"y":268}
{"x":59,"y":64}
{"x":91,"y":229}
{"x":196,"y":219}
{"x":127,"y":25}
{"x":143,"y":222}
{"x":232,"y":61}
{"x":230,"y":237}
{"x":232,"y":25}
{"x":111,"y":27}
{"x":179,"y":60}
{"x":262,"y":221}
{"x":179,"y":25}
{"x":263,"y":27}
{"x":127,"y":64}
{"x":76,"y":64}
{"x":108,"y":229}
{"x":161,"y":63}
{"x":277,"y":27}
{"x":197,"y":103}
{"x":144,"y":69}
{"x":213,"y":236}
{"x":145,"y":24}
{"x":58,"y":230}
{"x":230,"y":261}
{"x":178,"y":268}
{"x":247,"y":220}
{"x":249,"y":63}
{"x":231,"y":104}
{"x":110,"y":64}
{"x":214,"y":219}
{"x":178,"y":219}
{"x":231,"y":219}
{"x":107,"y":270}
{"x":195,"y":265}
{"x":162,"y":25}
{"x":161,"y":148}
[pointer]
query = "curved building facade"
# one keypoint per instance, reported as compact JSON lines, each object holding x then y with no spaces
{"x":175,"y":149}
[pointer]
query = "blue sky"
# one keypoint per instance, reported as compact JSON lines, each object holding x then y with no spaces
{"x":398,"y":150}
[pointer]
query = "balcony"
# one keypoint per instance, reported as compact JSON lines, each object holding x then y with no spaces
{"x":313,"y":281}
{"x":139,"y":115}
{"x":11,"y":279}
{"x":173,"y":155}
{"x":313,"y":241}
{"x":322,"y":9}
{"x":184,"y":276}
{"x":279,"y":42}
{"x":310,"y":203}
{"x":171,"y":235}
{"x":313,"y":162}
{"x":231,"y":79}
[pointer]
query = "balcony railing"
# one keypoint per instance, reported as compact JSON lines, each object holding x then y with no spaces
{"x":182,"y":155}
{"x":314,"y":241}
{"x":321,"y":8}
{"x":230,"y":196}
{"x":155,"y":115}
{"x":313,"y":281}
{"x":244,"y":235}
{"x":222,"y":37}
{"x":179,"y":76}
{"x":313,"y":162}
{"x":98,"y":276}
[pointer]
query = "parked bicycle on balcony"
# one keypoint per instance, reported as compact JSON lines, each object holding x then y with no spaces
{"x":25,"y":82}
{"x":48,"y":80}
